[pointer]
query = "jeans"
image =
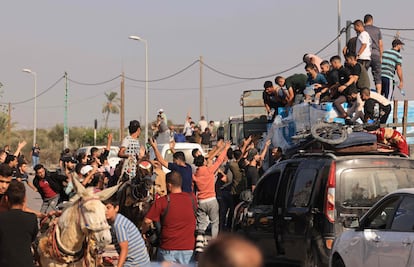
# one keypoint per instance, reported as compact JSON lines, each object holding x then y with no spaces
{"x":178,"y":256}
{"x":49,"y":204}
{"x":208,"y":212}
{"x":35,"y":160}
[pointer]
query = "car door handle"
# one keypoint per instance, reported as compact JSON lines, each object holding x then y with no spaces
{"x":406,"y":242}
{"x":287,"y":218}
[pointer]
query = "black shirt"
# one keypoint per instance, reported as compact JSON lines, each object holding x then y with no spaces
{"x":252,"y":175}
{"x":18,"y":229}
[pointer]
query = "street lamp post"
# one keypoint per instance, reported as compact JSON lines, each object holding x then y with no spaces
{"x":35,"y":103}
{"x":137,"y":38}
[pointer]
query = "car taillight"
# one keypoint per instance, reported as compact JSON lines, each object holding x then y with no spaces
{"x":330,"y":194}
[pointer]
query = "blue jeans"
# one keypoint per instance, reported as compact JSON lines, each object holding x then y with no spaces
{"x":35,"y":160}
{"x":178,"y":256}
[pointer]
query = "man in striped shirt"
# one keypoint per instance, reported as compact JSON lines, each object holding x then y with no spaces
{"x":391,"y":63}
{"x":127,"y":238}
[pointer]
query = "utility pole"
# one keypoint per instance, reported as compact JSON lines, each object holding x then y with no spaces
{"x":348,"y":30}
{"x":9,"y":123}
{"x":65,"y":119}
{"x":339,"y":27}
{"x":201,"y":87}
{"x":122,"y":113}
{"x":94,"y":131}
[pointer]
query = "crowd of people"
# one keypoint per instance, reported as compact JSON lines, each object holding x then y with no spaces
{"x":202,"y":132}
{"x":198,"y":203}
{"x":201,"y":195}
{"x":333,"y":81}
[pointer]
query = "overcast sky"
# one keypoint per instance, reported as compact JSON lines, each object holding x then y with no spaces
{"x":89,"y":40}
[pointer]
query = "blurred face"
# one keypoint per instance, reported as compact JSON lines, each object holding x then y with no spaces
{"x":23,"y":168}
{"x":281,"y":82}
{"x":351,"y":61}
{"x":364,"y":97}
{"x":336,"y":64}
{"x":111,"y":212}
{"x":70,"y":165}
{"x":3,"y":157}
{"x":4,"y":183}
{"x":325,"y":68}
{"x":41,"y":173}
{"x":358,"y":28}
{"x":275,"y":153}
{"x":13,"y":163}
{"x":311,"y":71}
{"x":269,"y":90}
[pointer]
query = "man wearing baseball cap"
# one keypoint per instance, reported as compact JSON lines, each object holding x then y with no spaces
{"x":391,"y":63}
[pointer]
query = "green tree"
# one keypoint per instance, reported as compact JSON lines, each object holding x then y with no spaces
{"x":111,"y":106}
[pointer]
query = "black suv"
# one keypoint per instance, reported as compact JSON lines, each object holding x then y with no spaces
{"x":300,"y":204}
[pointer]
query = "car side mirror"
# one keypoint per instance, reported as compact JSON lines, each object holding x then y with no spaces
{"x":351,"y":222}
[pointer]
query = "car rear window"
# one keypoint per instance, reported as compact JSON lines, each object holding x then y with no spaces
{"x":364,"y":187}
{"x":187,"y":153}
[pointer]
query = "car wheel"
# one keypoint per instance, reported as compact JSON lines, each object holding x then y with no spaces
{"x":312,"y":258}
{"x":338,"y":262}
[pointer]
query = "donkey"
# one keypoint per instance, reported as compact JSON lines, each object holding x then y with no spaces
{"x":76,"y":237}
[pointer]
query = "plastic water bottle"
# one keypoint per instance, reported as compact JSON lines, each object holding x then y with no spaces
{"x":376,"y":110}
{"x":402,"y":92}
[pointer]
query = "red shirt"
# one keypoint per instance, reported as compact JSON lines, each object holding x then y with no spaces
{"x":178,"y":227}
{"x":47,"y":190}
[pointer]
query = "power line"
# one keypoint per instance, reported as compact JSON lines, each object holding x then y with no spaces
{"x":396,"y":29}
{"x":40,"y":94}
{"x":98,"y":83}
{"x":274,"y":74}
{"x":166,"y":77}
{"x":190,"y":88}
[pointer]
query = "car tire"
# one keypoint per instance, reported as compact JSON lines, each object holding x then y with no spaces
{"x":312,"y":258}
{"x":338,"y":262}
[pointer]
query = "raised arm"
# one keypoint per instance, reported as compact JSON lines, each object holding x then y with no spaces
{"x":246,"y":143}
{"x":20,"y":146}
{"x":158,"y":155}
{"x":221,"y":158}
{"x":265,"y":149}
{"x":109,"y":142}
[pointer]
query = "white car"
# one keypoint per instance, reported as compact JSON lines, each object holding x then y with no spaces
{"x":113,"y":158}
{"x":383,"y":237}
{"x":166,"y":152}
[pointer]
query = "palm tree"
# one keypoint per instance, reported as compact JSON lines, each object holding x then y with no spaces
{"x":111,"y":106}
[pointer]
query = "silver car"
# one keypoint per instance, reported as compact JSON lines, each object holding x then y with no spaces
{"x":383,"y":237}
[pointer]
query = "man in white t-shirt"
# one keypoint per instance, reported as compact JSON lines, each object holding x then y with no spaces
{"x":203,"y":123}
{"x":131,"y":150}
{"x":363,"y":44}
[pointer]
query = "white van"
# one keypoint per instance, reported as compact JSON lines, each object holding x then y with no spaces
{"x":113,"y":158}
{"x":167,"y":154}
